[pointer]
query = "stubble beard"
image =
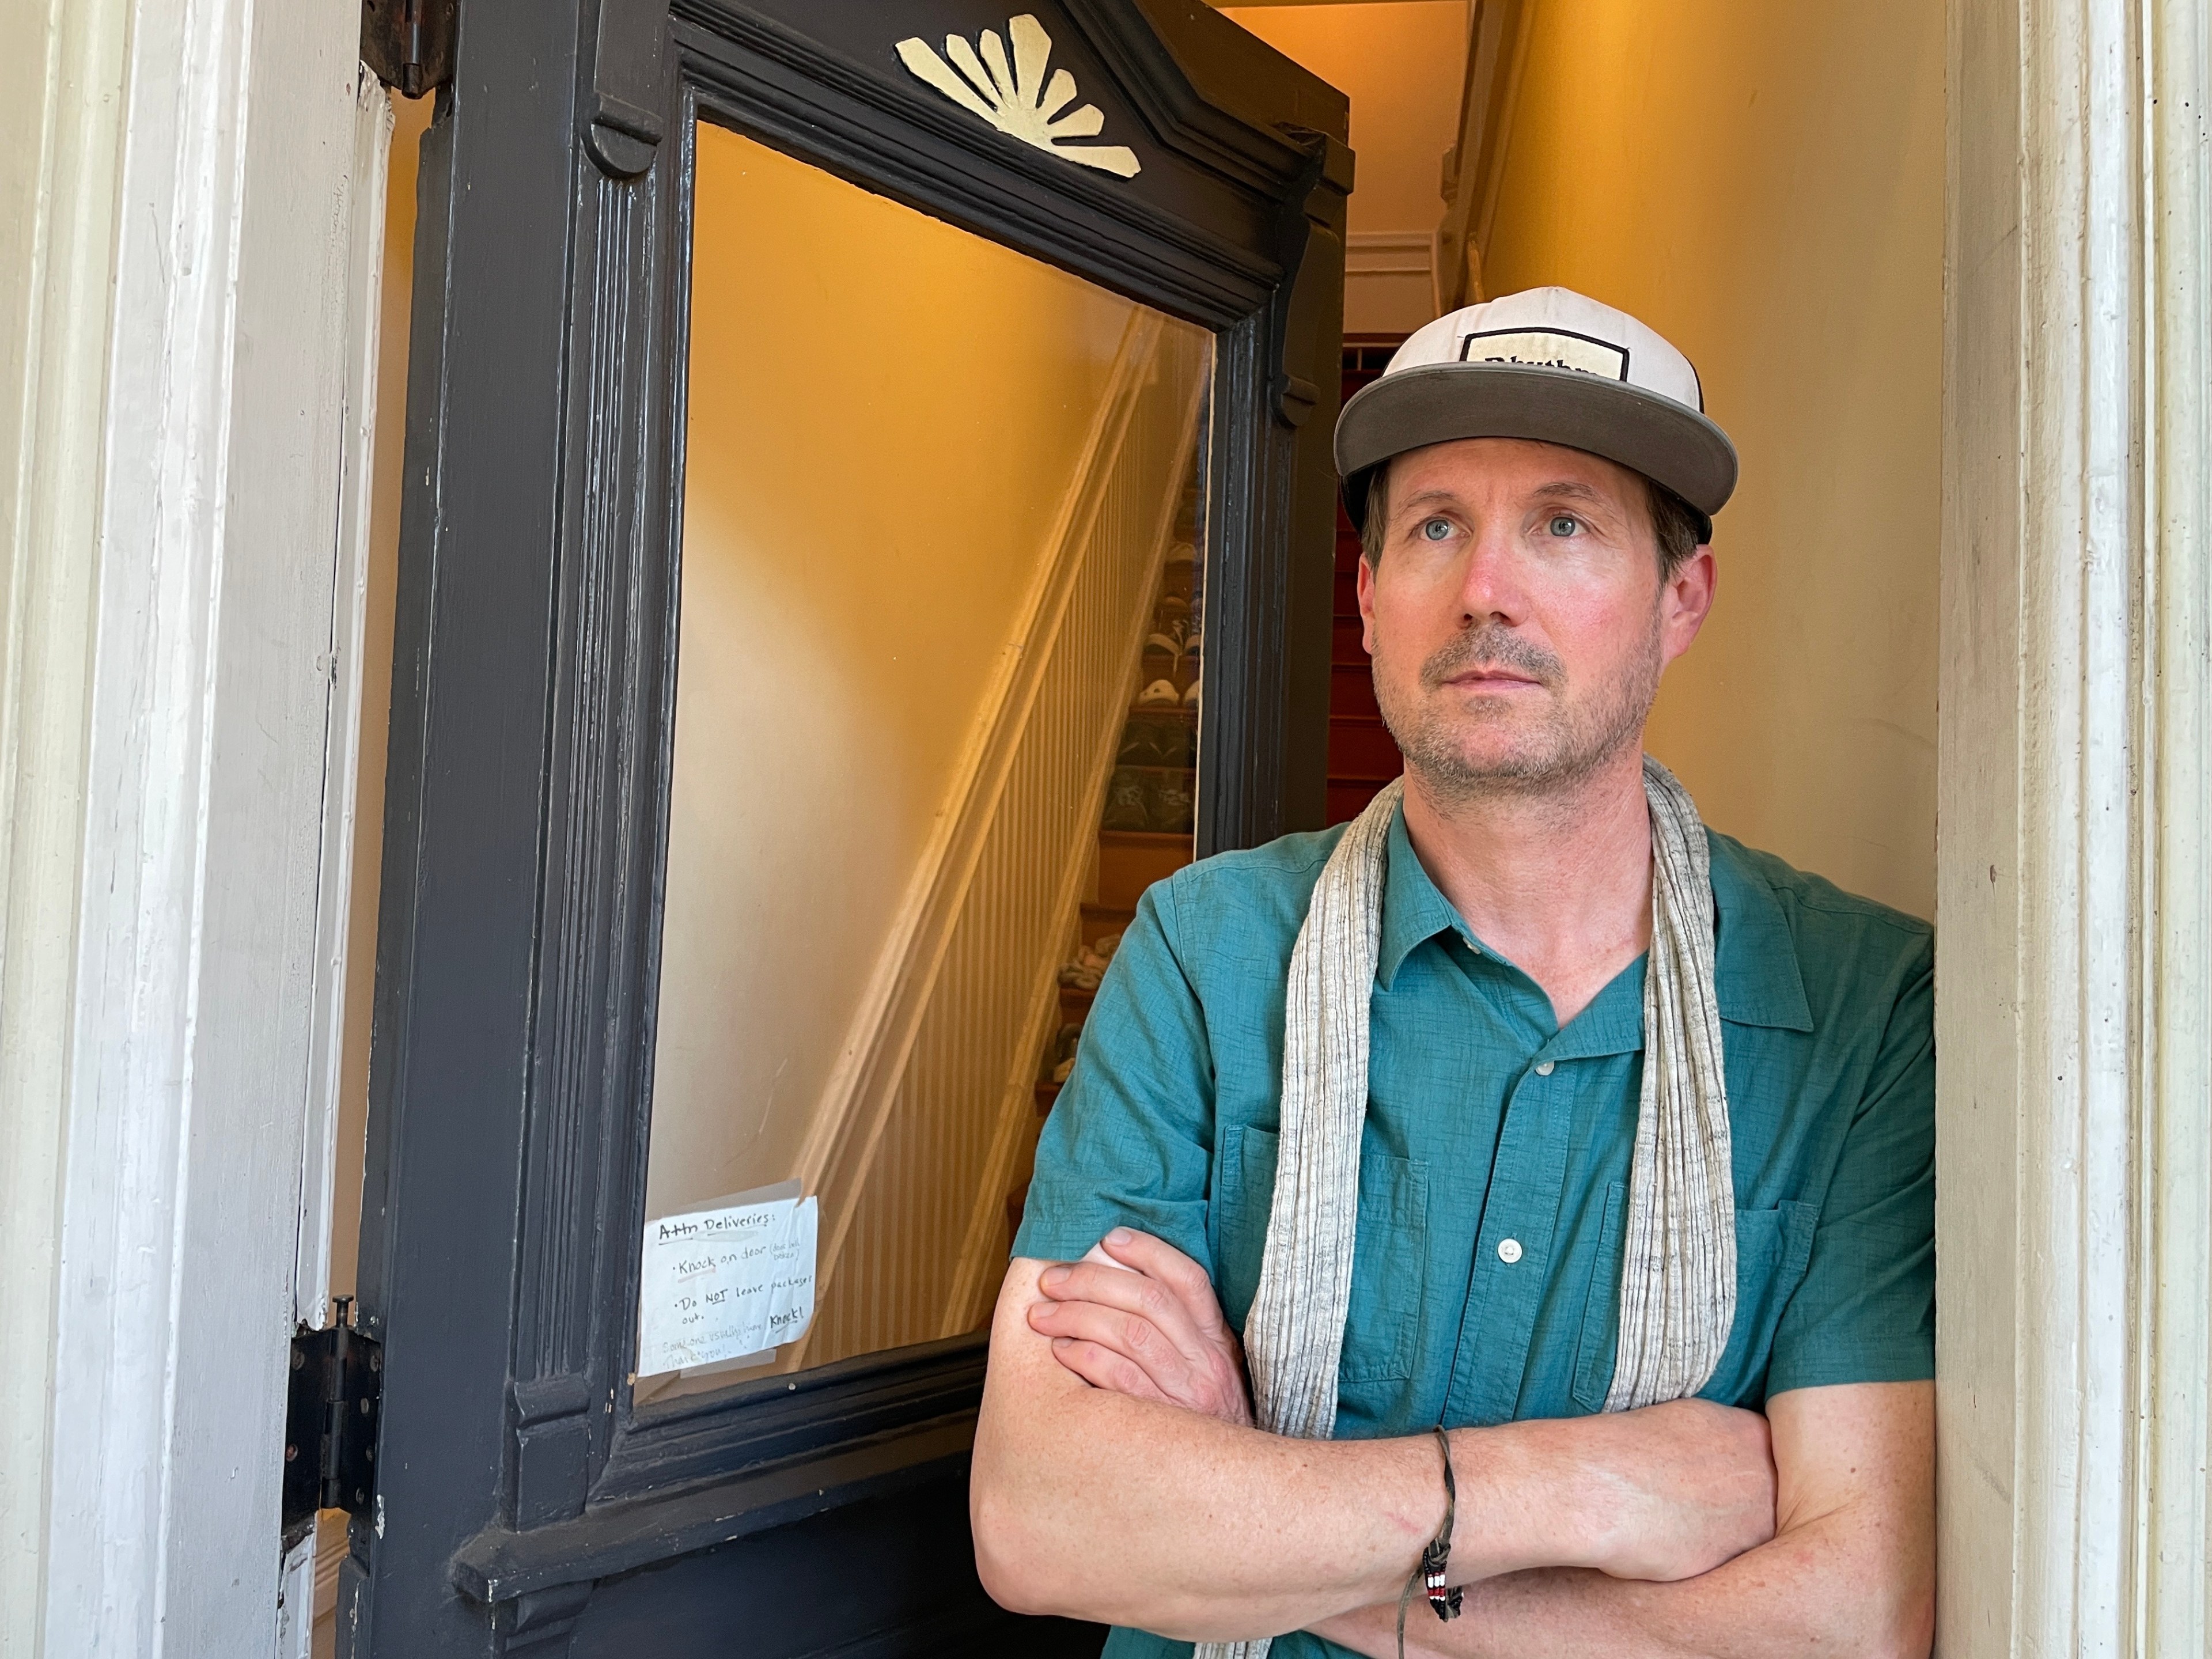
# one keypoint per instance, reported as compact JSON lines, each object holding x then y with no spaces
{"x":1558,"y":749}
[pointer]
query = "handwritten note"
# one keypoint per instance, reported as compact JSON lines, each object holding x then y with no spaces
{"x":718,"y":1284}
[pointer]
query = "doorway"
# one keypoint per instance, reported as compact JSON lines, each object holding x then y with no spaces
{"x":850,"y":543}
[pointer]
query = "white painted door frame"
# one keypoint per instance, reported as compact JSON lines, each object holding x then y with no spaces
{"x":222,"y":318}
{"x":2074,"y":971}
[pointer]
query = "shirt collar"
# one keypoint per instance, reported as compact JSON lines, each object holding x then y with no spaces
{"x":1415,"y":911}
{"x":1755,"y":976}
{"x":1755,"y":973}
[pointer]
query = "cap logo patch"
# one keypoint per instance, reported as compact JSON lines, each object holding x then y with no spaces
{"x":1548,"y":348}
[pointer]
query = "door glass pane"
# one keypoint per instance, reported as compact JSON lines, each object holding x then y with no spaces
{"x":936,"y":724}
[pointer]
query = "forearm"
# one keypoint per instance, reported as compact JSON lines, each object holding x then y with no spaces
{"x":1136,"y":1514}
{"x":1851,"y":1572}
{"x":1090,"y":1504}
{"x":1786,"y":1596}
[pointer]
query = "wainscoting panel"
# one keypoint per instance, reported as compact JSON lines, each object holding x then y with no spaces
{"x":914,"y":1173}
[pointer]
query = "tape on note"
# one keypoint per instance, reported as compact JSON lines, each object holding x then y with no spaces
{"x":721,"y":1283}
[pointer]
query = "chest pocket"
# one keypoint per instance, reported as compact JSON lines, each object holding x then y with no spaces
{"x":1771,"y":1249}
{"x":1388,"y":1253}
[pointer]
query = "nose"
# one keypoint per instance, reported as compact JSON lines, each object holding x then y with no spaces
{"x":1491,"y":588}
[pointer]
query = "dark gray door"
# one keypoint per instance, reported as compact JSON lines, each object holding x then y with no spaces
{"x":1175,"y":188}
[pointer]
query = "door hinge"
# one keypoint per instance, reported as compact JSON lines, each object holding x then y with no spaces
{"x":409,"y":43}
{"x":330,"y":1421}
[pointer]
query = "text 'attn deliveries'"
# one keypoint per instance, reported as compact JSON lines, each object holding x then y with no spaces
{"x":722,"y":1284}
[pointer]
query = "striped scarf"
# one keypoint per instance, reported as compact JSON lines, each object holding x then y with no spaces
{"x":1678,"y":1274}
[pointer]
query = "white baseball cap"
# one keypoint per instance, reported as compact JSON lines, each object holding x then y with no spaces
{"x":1552,"y":364}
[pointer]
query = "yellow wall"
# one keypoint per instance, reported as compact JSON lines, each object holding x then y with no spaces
{"x":1399,"y":62}
{"x":885,"y":414}
{"x":1763,"y":183}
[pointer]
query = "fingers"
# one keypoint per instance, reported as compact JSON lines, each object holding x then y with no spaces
{"x":1121,"y":1352}
{"x":1129,"y":1333}
{"x":1102,"y":1368}
{"x":1144,"y":1301}
{"x":1138,"y":1294}
{"x":1157,"y":1258}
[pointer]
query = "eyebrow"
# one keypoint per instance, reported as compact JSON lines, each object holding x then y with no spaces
{"x":1423,"y":498}
{"x":1569,"y":489}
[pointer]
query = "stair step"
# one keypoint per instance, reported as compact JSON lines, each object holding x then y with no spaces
{"x":1346,"y":801}
{"x":1099,"y":920}
{"x":1362,"y":747}
{"x":1130,"y":860}
{"x":1351,"y":692}
{"x":1362,"y":758}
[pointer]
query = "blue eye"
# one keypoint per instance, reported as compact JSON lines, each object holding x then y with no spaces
{"x":1565,"y":524}
{"x":1436,"y":530}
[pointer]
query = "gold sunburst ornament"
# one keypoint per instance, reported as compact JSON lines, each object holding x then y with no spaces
{"x":1012,"y":94}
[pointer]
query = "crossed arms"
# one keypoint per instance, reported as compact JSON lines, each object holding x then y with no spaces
{"x":1117,"y":1478}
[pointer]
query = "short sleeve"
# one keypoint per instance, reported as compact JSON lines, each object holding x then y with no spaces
{"x":1129,"y":1142}
{"x":1865,"y":1311}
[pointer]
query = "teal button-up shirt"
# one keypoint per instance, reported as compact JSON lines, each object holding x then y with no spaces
{"x":1495,"y":1160}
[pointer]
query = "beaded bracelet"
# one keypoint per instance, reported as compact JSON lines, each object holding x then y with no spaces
{"x":1429,"y":1574}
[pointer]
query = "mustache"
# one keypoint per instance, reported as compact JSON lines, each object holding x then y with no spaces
{"x":1491,"y":647}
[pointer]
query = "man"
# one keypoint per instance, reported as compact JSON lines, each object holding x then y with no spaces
{"x":1625,"y":1131}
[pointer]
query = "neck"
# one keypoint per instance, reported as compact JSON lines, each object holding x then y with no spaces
{"x":1558,"y":881}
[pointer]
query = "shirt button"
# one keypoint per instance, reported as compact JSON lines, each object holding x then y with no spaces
{"x":1509,"y":1250}
{"x":1543,"y":1068}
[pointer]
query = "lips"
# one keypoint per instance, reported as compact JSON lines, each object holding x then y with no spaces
{"x":1492,"y":658}
{"x":1490,"y":678}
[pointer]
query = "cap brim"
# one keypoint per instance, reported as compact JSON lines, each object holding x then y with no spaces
{"x":1440,"y":402}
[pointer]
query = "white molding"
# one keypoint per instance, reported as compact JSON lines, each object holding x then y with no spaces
{"x":1390,"y":253}
{"x":112,"y":1423}
{"x":1499,"y":33}
{"x":218,"y":509}
{"x":357,"y":350}
{"x":2173,"y":1534}
{"x":981,"y":1263}
{"x":59,"y":94}
{"x":2073,"y":991}
{"x":308,"y":1576}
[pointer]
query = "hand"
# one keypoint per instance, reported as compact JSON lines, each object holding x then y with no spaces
{"x":1139,"y":1317}
{"x":1669,"y":1491}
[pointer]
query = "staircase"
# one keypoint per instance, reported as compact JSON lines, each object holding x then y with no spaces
{"x":1145,"y":830}
{"x":1362,"y":758}
{"x":1144,"y":834}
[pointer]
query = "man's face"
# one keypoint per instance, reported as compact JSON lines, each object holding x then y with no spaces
{"x":1517,"y":619}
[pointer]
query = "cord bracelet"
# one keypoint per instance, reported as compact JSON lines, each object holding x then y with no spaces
{"x":1436,"y":1558}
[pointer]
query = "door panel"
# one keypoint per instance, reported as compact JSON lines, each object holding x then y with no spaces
{"x":535,"y":1496}
{"x":711,"y":1601}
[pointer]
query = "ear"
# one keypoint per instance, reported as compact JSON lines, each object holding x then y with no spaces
{"x":1686,"y":599}
{"x":1366,"y":590}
